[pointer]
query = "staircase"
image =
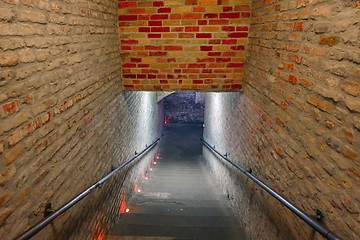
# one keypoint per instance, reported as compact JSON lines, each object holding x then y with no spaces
{"x":179,"y":199}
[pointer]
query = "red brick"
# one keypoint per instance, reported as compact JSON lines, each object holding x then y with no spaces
{"x":129,"y":65}
{"x":238,"y":35}
{"x":245,"y":14}
{"x":143,"y":17}
{"x":128,"y":17}
{"x":202,"y":22}
{"x":230,"y":15}
{"x":159,"y":16}
{"x":127,"y":4}
{"x":219,"y":22}
{"x":242,"y":28}
{"x":199,"y":9}
{"x":206,"y":48}
{"x":135,"y":59}
{"x":158,"y":53}
{"x":293,"y":79}
{"x":238,"y":47}
{"x":1,"y":146}
{"x":227,"y":8}
{"x":164,"y":10}
{"x":143,"y":65}
{"x":223,"y":59}
{"x":155,"y":23}
{"x":175,"y":16}
{"x":203,"y":35}
{"x":125,"y":48}
{"x":177,"y":29}
{"x":158,"y":4}
{"x":160,"y":29}
{"x":191,"y":29}
{"x":136,"y":81}
{"x":144,"y":29}
{"x":229,"y":41}
{"x":151,"y":35}
{"x":11,"y":107}
{"x":141,"y":76}
{"x":129,"y":41}
{"x":198,"y":81}
{"x":191,"y":2}
{"x":129,"y":75}
{"x":236,"y":86}
{"x":228,"y":28}
{"x":298,"y":26}
{"x":211,"y":15}
{"x":214,"y":54}
{"x":196,"y":65}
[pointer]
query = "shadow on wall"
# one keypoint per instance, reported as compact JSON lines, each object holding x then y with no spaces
{"x":184,"y":107}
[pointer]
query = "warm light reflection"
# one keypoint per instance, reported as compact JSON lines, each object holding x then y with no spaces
{"x":127,"y":210}
{"x":100,"y":235}
{"x":122,"y":205}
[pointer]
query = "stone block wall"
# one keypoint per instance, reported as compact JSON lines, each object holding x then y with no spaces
{"x":64,"y":120}
{"x":296,"y":124}
{"x":183,"y":44}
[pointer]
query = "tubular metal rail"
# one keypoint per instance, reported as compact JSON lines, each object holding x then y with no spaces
{"x":43,"y":223}
{"x":305,"y":217}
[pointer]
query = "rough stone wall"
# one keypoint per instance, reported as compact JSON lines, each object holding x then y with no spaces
{"x":298,"y":118}
{"x":182,"y":107}
{"x":183,"y":44}
{"x":64,"y":122}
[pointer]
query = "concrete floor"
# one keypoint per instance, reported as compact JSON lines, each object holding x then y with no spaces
{"x":180,"y":199}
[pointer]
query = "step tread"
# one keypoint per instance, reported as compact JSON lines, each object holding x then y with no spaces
{"x":179,"y":232}
{"x":171,"y":220}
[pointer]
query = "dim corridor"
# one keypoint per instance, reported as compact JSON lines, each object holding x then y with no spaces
{"x":178,"y":198}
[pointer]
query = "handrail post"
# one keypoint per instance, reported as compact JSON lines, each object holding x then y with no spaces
{"x":301,"y":214}
{"x":43,"y":223}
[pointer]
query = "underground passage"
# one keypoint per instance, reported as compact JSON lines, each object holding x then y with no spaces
{"x":180,"y":119}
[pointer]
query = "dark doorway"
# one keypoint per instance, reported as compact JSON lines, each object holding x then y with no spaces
{"x":184,"y":107}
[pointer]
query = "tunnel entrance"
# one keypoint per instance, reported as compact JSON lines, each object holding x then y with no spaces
{"x":184,"y":107}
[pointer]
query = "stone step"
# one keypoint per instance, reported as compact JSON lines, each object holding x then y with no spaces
{"x":138,"y":238}
{"x":179,"y":232}
{"x":171,"y":220}
{"x":180,"y":210}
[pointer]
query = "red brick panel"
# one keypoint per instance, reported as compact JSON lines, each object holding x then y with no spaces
{"x":183,"y":44}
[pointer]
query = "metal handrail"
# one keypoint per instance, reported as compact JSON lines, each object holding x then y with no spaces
{"x":309,"y":220}
{"x":43,"y":223}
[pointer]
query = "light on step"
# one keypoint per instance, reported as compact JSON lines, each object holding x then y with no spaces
{"x":127,"y":210}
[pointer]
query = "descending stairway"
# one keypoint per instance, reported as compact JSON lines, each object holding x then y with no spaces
{"x":179,"y":200}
